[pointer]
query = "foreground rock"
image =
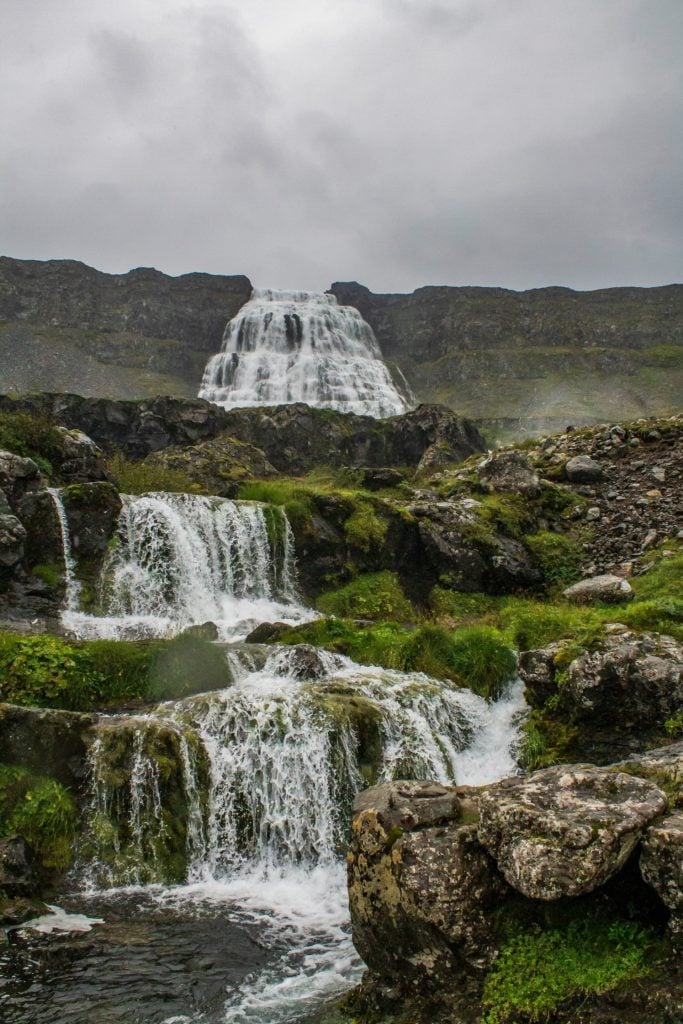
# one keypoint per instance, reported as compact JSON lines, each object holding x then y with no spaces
{"x":565,"y":831}
{"x":610,"y":701}
{"x":437,"y":874}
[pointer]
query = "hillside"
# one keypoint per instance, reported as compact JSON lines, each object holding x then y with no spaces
{"x":513,"y":361}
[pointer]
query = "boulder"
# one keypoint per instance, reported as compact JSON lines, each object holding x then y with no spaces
{"x":218,"y":465}
{"x":12,"y":536}
{"x":565,"y":831}
{"x":607,"y":588}
{"x":83,"y":460}
{"x":582,"y":469}
{"x":661,"y":865}
{"x":422,"y":888}
{"x":302,"y":661}
{"x":509,"y":471}
{"x":18,"y":475}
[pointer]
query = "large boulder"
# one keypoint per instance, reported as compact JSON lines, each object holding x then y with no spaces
{"x":582,"y":469}
{"x":617,"y":696}
{"x":661,"y":865}
{"x":421,"y":888}
{"x":565,"y":831}
{"x":17,"y":476}
{"x":509,"y":471}
{"x":608,"y":588}
{"x":82,"y":459}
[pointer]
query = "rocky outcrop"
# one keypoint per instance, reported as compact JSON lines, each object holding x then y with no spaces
{"x":219,"y":465}
{"x":530,"y":359}
{"x":617,"y":697}
{"x":431,"y":866}
{"x":45,"y":741}
{"x":565,"y":831}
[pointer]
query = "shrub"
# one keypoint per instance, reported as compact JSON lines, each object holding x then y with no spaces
{"x":538,"y":971}
{"x":364,"y":529}
{"x":32,"y":436}
{"x":40,"y":810}
{"x":532,"y":624}
{"x":372,"y":596}
{"x":296,"y":499}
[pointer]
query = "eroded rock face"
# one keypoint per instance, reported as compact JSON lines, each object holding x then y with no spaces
{"x":565,"y":831}
{"x":421,"y":886}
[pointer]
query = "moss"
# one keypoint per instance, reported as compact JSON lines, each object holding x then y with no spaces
{"x":50,"y":573}
{"x":559,"y":556}
{"x":40,"y":810}
{"x":296,"y":499}
{"x":372,"y":596}
{"x":541,"y":969}
{"x":547,"y":739}
{"x":364,"y":529}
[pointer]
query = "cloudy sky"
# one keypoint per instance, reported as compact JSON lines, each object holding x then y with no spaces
{"x":394,"y":142}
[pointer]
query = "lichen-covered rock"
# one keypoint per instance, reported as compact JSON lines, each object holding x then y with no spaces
{"x":421,"y":887}
{"x":12,"y":536}
{"x":565,"y":831}
{"x":83,"y":460}
{"x":219,"y":465}
{"x":608,"y":588}
{"x":509,"y":471}
{"x":17,"y":475}
{"x":661,"y":865}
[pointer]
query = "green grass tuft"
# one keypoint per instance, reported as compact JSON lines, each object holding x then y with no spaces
{"x":140,"y":477}
{"x":40,"y":810}
{"x":373,"y":596}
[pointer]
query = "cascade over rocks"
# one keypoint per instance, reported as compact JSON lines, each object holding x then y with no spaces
{"x":564,"y":831}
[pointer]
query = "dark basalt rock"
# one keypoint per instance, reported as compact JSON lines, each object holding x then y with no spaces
{"x":19,"y":874}
{"x":45,"y":741}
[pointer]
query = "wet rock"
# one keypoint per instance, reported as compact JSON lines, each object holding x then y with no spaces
{"x":266,"y":631}
{"x":582,"y":469}
{"x":46,"y":741}
{"x":661,"y":865}
{"x":83,"y":460}
{"x":202,"y":630}
{"x":19,"y":875}
{"x":20,"y":909}
{"x":509,"y":471}
{"x":306,"y":662}
{"x":565,"y":831}
{"x":608,"y":588}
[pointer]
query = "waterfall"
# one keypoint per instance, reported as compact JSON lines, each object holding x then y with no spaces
{"x":285,"y":347}
{"x":72,"y":586}
{"x":264,"y":772}
{"x":179,"y":559}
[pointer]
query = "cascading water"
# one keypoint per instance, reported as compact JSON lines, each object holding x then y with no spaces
{"x":250,"y":789}
{"x":72,"y":586}
{"x":285,"y":347}
{"x":180,"y":559}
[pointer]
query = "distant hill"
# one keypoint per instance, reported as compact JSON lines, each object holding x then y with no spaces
{"x":513,"y":361}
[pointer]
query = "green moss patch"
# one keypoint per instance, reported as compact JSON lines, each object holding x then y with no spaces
{"x":559,"y":556}
{"x":373,"y":596}
{"x":541,"y":970}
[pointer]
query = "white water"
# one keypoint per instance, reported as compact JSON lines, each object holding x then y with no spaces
{"x":283,"y":769}
{"x":180,"y":559}
{"x":72,"y":586}
{"x":285,"y":347}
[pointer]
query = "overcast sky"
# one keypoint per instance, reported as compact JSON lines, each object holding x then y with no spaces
{"x":395,"y":142}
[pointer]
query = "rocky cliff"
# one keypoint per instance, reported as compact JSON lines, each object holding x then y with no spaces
{"x":537,"y":359}
{"x":515,"y":361}
{"x":65,"y":326}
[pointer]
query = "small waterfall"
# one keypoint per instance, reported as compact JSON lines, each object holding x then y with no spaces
{"x":180,"y":559}
{"x":264,"y":773}
{"x":73,"y":587}
{"x":285,"y":347}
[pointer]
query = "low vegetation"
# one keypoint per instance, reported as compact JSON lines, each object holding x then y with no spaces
{"x":48,"y":671}
{"x":32,"y":436}
{"x":140,"y":477}
{"x":40,"y":810}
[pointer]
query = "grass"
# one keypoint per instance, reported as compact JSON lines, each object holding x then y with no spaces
{"x":32,"y":436}
{"x":48,"y":671}
{"x":371,"y":596}
{"x":140,"y":477}
{"x":540,"y":970}
{"x":559,"y":556}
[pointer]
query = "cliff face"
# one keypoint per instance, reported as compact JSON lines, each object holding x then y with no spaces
{"x":545,"y":357}
{"x":66,"y":326}
{"x":514,"y":361}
